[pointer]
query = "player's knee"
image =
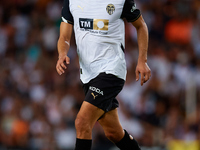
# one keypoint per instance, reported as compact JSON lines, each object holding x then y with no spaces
{"x":112,"y":136}
{"x":82,"y":125}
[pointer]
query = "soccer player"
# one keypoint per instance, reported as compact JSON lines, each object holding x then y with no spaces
{"x":99,"y":32}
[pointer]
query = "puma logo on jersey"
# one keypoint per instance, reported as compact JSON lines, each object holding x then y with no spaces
{"x":133,"y":8}
{"x":96,"y":90}
{"x":80,"y":7}
{"x":94,"y":95}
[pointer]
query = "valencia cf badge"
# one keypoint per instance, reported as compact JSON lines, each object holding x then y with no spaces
{"x":110,"y":9}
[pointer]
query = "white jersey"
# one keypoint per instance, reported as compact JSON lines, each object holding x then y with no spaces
{"x":99,"y":32}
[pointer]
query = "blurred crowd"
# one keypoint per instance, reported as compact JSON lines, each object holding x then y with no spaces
{"x":38,"y":107}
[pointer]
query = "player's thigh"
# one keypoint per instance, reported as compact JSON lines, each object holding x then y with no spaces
{"x":111,"y":125}
{"x":88,"y":114}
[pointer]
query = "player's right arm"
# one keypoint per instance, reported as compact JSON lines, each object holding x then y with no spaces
{"x":66,"y":28}
{"x":63,"y":46}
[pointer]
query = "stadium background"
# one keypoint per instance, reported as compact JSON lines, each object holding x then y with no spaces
{"x":38,"y":107}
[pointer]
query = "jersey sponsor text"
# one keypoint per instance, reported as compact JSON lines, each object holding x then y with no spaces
{"x":97,"y":26}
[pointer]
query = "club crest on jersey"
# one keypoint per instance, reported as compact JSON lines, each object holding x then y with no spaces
{"x":110,"y":9}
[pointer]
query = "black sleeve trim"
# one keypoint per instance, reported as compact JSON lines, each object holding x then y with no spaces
{"x":135,"y":18}
{"x":66,"y":14}
{"x":67,"y":21}
{"x":129,"y":12}
{"x":70,"y":22}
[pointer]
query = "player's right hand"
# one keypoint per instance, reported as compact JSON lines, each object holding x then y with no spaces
{"x":61,"y":66}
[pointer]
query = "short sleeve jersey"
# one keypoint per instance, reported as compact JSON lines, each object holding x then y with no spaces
{"x":99,"y":32}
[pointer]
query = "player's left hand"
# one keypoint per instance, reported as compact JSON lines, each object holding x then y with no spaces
{"x":143,"y":69}
{"x":60,"y":66}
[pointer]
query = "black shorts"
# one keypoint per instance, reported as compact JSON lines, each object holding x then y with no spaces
{"x":102,"y":91}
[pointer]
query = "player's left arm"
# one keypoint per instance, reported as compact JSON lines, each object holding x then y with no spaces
{"x":133,"y":15}
{"x":142,"y":67}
